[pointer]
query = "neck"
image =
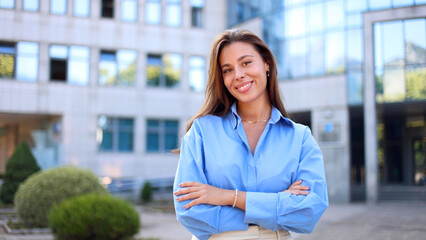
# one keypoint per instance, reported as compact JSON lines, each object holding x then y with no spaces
{"x":254,"y":112}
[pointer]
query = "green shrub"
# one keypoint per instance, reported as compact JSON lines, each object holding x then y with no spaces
{"x":94,"y":217}
{"x":41,"y":191}
{"x":146,"y":193}
{"x":20,"y":166}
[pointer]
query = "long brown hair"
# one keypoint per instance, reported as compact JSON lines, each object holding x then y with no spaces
{"x":218,"y":99}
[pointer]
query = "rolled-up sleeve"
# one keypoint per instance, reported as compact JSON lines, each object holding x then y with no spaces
{"x":295,"y":213}
{"x":201,"y":220}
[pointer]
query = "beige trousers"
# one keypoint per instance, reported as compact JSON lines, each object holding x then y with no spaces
{"x":253,"y":233}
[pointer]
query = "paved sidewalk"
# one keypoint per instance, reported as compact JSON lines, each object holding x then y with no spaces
{"x":385,"y":221}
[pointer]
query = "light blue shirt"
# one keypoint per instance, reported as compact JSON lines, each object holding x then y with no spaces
{"x":215,"y":151}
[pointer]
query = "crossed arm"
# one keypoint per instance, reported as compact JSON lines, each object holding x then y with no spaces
{"x":201,"y":193}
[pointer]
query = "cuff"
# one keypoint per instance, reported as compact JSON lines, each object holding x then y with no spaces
{"x":261,"y":209}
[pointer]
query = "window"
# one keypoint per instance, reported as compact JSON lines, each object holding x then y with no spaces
{"x":81,"y":8}
{"x":7,"y":4}
{"x":117,"y":68}
{"x":114,"y":134}
{"x":197,"y":75}
{"x":107,"y":10}
{"x":69,"y":64}
{"x":58,"y":7}
{"x":20,"y":60}
{"x":164,"y":70}
{"x":153,"y":12}
{"x":162,"y":135}
{"x":129,"y":10}
{"x":31,"y":5}
{"x":197,"y":13}
{"x":173,"y":13}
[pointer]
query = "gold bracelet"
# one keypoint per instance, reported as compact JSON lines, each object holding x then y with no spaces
{"x":236,"y":197}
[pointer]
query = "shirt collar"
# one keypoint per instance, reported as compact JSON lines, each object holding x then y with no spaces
{"x":276,"y":116}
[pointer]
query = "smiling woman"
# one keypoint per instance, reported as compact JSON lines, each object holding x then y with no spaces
{"x":246,"y":171}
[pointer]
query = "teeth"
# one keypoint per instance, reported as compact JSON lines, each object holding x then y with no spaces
{"x":244,"y":86}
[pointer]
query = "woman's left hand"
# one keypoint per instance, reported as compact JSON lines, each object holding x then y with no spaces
{"x":201,"y":193}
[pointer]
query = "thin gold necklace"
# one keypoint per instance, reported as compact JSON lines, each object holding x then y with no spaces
{"x":258,"y":121}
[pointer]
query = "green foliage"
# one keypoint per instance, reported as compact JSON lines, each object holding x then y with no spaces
{"x":20,"y":166}
{"x":7,"y":64}
{"x":41,"y":191}
{"x":416,"y":84}
{"x":146,"y":193}
{"x":94,"y":217}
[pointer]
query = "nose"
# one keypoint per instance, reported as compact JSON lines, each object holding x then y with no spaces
{"x":239,"y":73}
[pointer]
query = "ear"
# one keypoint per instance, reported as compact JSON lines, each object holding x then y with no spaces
{"x":267,"y":67}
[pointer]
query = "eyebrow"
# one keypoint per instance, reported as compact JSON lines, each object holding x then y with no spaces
{"x":239,"y":59}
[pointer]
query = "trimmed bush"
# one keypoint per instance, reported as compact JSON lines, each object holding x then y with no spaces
{"x":42,"y":190}
{"x":146,"y":193}
{"x":19,"y":167}
{"x":94,"y":217}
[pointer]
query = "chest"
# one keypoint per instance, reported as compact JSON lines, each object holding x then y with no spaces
{"x":253,"y":133}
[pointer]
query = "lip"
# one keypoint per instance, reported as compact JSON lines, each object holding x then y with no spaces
{"x":244,"y":87}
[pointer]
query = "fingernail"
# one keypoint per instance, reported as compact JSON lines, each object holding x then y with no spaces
{"x":180,"y":184}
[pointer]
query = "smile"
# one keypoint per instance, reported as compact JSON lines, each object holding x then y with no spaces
{"x":244,"y":87}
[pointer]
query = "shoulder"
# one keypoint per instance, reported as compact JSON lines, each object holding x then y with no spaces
{"x":204,"y":125}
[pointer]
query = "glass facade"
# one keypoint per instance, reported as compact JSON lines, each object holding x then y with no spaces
{"x":7,"y":4}
{"x":153,"y":12}
{"x":325,"y":37}
{"x":400,"y":60}
{"x":117,"y":68}
{"x":197,"y":13}
{"x":115,"y":134}
{"x":173,"y":13}
{"x":162,"y":135}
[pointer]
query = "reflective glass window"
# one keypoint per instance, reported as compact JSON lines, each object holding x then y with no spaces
{"x":420,"y":2}
{"x":78,"y":65}
{"x":415,"y":77}
{"x":378,"y":45}
{"x":356,"y":5}
{"x":393,"y":84}
{"x":81,"y":8}
{"x":379,"y":4}
{"x":294,"y":2}
{"x":162,"y":135}
{"x":393,"y":44}
{"x":164,"y":70}
{"x":107,"y":68}
{"x":335,"y":14}
{"x":172,"y":69}
{"x":7,"y":60}
{"x":30,"y":5}
{"x":7,"y":4}
{"x":354,"y":48}
{"x":115,"y":134}
{"x":334,"y":52}
{"x":295,"y":24}
{"x":153,"y":12}
{"x":297,"y":50}
{"x":415,"y":41}
{"x":355,"y":87}
{"x":197,"y":75}
{"x":173,"y":13}
{"x":354,"y":20}
{"x":402,"y":3}
{"x":58,"y":7}
{"x":316,"y":55}
{"x":27,"y":61}
{"x":126,"y":67}
{"x":197,"y":13}
{"x":129,"y":10}
{"x":316,"y":17}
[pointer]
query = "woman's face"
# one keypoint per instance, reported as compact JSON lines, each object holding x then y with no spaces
{"x":244,"y":72}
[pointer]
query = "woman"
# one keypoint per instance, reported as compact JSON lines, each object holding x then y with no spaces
{"x":246,"y":171}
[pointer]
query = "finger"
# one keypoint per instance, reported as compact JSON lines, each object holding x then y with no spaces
{"x":188,"y":197}
{"x":192,"y":203}
{"x":186,"y":190}
{"x":298,"y":182}
{"x":299,"y":187}
{"x":190,"y":184}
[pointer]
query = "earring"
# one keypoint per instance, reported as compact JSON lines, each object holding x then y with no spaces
{"x":267,"y":73}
